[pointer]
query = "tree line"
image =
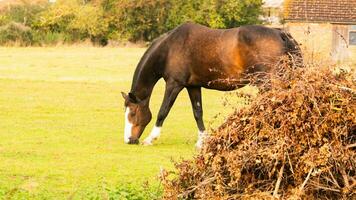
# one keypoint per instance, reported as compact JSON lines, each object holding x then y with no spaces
{"x":102,"y":21}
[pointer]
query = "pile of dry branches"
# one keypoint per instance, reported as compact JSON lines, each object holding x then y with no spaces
{"x":296,"y":140}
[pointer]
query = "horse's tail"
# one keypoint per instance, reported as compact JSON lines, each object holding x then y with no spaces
{"x":292,"y":48}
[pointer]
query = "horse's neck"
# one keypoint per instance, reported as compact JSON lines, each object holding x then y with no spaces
{"x":143,"y":92}
{"x":148,"y":70}
{"x":143,"y":83}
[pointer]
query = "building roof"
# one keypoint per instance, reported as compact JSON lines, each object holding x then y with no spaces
{"x":332,"y":11}
{"x":272,"y":3}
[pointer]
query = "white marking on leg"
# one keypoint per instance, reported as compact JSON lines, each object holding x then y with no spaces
{"x":201,"y":137}
{"x":155,"y":133}
{"x":128,"y":126}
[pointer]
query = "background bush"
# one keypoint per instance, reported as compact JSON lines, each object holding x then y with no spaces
{"x":13,"y":33}
{"x":70,"y":21}
{"x":24,"y":13}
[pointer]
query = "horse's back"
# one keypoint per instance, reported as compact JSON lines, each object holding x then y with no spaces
{"x":198,"y":55}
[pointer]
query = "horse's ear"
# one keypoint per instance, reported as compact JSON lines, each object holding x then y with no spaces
{"x":124,"y":95}
{"x":133,"y":98}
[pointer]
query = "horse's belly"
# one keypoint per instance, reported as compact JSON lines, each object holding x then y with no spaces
{"x":226,"y":84}
{"x":221,"y":86}
{"x":220,"y":79}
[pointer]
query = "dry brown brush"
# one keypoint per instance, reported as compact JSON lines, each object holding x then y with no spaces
{"x":296,"y":140}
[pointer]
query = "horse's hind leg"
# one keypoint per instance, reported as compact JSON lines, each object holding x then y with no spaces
{"x":195,"y":98}
{"x":170,"y":95}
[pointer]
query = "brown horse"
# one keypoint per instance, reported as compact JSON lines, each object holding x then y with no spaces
{"x":194,"y":56}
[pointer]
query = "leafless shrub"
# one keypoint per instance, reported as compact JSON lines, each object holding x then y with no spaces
{"x":296,"y":140}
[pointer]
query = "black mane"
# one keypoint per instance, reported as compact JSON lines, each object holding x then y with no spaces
{"x":147,"y":56}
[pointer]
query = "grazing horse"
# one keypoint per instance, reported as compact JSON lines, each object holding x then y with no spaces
{"x":194,"y":56}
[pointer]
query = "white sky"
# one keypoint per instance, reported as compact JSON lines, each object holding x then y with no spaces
{"x":273,"y":3}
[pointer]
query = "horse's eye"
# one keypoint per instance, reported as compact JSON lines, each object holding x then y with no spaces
{"x":132,"y":113}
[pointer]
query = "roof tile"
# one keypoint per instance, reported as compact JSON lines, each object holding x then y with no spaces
{"x":334,"y":11}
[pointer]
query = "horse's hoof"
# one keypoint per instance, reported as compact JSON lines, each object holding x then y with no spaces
{"x":199,"y":145}
{"x":147,"y":143}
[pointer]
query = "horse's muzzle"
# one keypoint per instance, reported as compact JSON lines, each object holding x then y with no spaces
{"x":133,"y":141}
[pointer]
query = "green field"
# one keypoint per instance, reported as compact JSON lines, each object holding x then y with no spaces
{"x":62,"y":121}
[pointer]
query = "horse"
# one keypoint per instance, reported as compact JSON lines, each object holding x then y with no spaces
{"x":193,"y":56}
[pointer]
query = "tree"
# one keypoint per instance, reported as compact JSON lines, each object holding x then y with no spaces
{"x":142,"y":19}
{"x":147,"y":19}
{"x":236,"y":13}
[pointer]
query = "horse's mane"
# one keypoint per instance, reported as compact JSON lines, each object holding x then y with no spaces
{"x":147,"y":55}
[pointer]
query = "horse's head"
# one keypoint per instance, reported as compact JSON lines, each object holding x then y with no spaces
{"x":137,"y":116}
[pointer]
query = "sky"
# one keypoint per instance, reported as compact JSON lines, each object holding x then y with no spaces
{"x":273,"y":3}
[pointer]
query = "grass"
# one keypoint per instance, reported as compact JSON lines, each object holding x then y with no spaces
{"x":62,"y":121}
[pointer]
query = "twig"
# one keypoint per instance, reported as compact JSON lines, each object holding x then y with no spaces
{"x":306,"y":179}
{"x":290,"y":164}
{"x":334,"y":180}
{"x":280,"y":175}
{"x":325,"y":188}
{"x":206,"y":181}
{"x":352,"y":185}
{"x":351,"y":146}
{"x":344,"y":176}
{"x":316,"y":106}
{"x":292,"y":58}
{"x":343,"y":38}
{"x":347,"y":89}
{"x":274,"y":168}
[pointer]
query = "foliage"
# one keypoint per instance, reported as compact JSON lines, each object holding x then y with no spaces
{"x":201,"y":11}
{"x":133,"y":20}
{"x":57,"y":17}
{"x":133,"y":192}
{"x":50,"y":38}
{"x":122,"y":191}
{"x":146,"y":19}
{"x":15,"y":33}
{"x":24,"y":13}
{"x":295,"y":141}
{"x":142,"y":19}
{"x":90,"y":22}
{"x":74,"y":21}
{"x":16,"y":21}
{"x":236,"y":13}
{"x":3,"y":20}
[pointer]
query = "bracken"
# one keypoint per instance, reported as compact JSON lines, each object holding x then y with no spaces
{"x":296,"y":140}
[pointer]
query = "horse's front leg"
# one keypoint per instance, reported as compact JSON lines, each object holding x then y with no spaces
{"x":170,"y":95}
{"x":195,"y":98}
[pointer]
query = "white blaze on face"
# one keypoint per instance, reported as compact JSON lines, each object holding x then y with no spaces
{"x":128,"y":126}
